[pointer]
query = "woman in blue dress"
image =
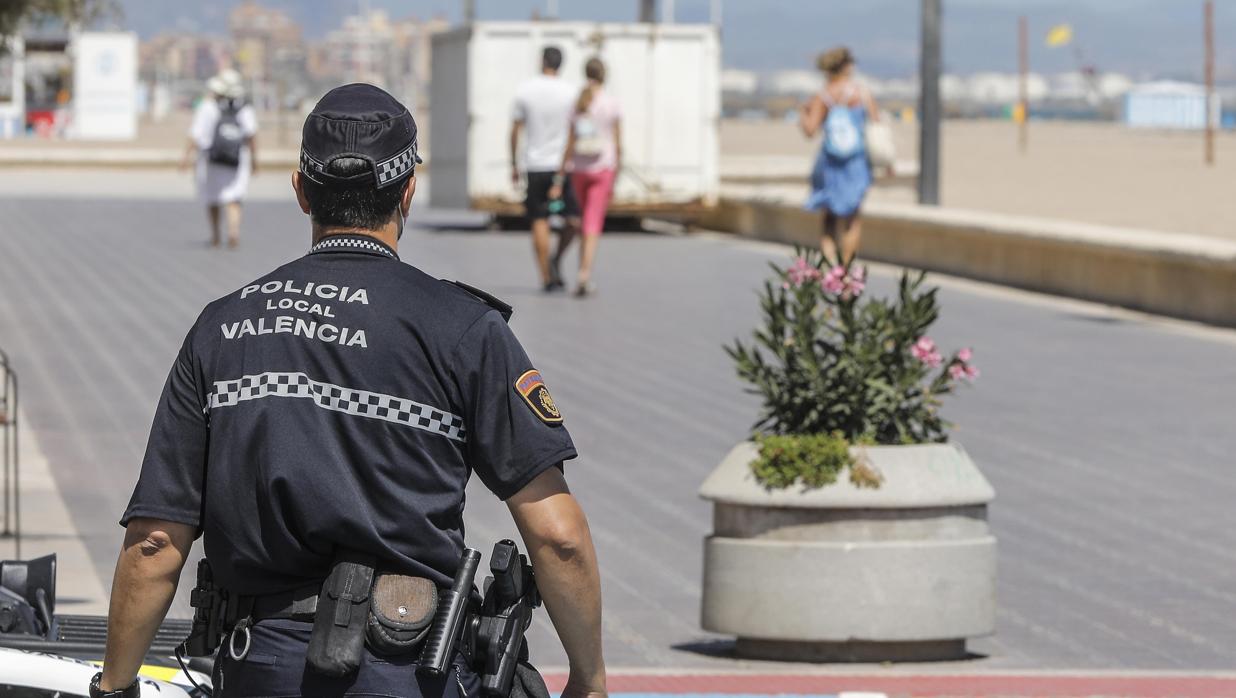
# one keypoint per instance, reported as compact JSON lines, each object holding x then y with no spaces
{"x":842,"y":172}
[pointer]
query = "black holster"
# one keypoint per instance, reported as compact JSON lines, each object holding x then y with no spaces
{"x":337,"y":642}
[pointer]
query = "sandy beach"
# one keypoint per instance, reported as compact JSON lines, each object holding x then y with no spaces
{"x":1092,"y":172}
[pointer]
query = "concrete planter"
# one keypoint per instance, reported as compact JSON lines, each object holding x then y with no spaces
{"x":905,"y":572}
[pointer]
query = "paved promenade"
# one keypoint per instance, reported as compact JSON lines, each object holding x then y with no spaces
{"x":1108,"y":436}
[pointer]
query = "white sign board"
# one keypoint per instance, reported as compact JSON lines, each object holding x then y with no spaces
{"x":12,"y":97}
{"x":105,"y":85}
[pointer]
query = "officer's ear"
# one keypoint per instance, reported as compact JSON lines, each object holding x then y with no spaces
{"x":409,"y":190}
{"x":299,"y":188}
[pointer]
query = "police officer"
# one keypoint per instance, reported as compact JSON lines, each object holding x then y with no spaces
{"x":341,"y":402}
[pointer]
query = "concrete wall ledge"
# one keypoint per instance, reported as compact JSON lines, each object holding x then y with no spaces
{"x":1175,"y":274}
{"x":58,"y":155}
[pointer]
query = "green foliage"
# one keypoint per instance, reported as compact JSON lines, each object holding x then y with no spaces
{"x":829,"y":361}
{"x":814,"y":460}
{"x":79,"y":13}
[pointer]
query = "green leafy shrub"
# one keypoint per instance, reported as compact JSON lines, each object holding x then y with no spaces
{"x":832,"y":364}
{"x":814,"y":459}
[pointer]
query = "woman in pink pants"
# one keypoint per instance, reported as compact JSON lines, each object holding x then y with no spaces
{"x":594,"y":156}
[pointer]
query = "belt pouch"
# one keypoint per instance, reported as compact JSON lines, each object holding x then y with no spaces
{"x":400,"y":614}
{"x":338,"y":638}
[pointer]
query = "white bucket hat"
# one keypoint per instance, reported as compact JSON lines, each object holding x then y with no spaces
{"x":227,"y":84}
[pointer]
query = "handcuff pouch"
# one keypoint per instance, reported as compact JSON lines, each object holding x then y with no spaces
{"x":400,"y":613}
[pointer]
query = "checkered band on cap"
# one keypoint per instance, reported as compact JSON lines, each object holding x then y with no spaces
{"x":309,"y":165}
{"x":337,"y":398}
{"x":394,"y":169}
{"x":387,"y":172}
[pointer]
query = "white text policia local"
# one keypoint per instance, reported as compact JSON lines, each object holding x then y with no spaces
{"x":301,"y":327}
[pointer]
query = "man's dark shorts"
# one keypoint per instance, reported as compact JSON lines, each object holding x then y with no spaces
{"x":275,"y":666}
{"x":537,"y":203}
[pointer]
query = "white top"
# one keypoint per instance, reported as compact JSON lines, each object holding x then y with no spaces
{"x":221,"y":184}
{"x":596,"y":149}
{"x":544,"y":104}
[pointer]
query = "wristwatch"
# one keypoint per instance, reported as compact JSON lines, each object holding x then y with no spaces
{"x":132,"y":691}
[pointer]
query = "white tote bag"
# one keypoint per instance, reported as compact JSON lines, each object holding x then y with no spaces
{"x":880,"y":149}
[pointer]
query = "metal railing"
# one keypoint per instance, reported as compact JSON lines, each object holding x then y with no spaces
{"x":10,"y":459}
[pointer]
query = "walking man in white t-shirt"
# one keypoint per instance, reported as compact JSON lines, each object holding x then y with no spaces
{"x":542,"y":110}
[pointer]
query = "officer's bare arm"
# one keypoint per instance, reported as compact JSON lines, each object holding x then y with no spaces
{"x":555,"y":532}
{"x":151,"y":559}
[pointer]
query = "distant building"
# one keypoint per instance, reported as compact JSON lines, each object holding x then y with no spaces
{"x":1003,"y":88}
{"x":373,"y":48}
{"x":178,"y":57}
{"x":1175,"y":105}
{"x":741,"y":82}
{"x":268,"y":48}
{"x":794,"y":82}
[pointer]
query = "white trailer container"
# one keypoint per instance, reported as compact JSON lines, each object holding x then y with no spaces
{"x":1167,"y":104}
{"x":666,"y":77}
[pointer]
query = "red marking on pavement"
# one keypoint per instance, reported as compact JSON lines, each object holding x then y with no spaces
{"x":971,"y":686}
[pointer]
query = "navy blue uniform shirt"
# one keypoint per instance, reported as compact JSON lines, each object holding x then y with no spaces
{"x":342,"y":400}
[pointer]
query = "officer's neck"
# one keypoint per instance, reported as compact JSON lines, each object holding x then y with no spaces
{"x":387,"y":234}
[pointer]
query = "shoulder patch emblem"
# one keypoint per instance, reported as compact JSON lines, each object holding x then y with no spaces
{"x":532,"y":389}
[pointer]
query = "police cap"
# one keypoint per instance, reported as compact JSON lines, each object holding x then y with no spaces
{"x":364,"y":122}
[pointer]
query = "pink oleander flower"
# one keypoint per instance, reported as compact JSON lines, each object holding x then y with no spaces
{"x":858,"y":282}
{"x":960,"y":371}
{"x":925,"y":351}
{"x":801,"y":272}
{"x":961,"y":368}
{"x":840,"y":282}
{"x":834,"y":282}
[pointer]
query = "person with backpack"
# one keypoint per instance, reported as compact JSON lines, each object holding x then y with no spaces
{"x":222,"y":141}
{"x":842,"y":171}
{"x":593,"y":157}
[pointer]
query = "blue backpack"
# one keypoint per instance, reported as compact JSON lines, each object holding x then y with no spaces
{"x":843,"y":132}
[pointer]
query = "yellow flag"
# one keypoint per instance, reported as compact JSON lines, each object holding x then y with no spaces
{"x":1060,"y":35}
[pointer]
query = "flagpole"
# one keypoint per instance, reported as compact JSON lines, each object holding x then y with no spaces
{"x":1209,"y":30}
{"x":929,"y":104}
{"x":1023,"y":89}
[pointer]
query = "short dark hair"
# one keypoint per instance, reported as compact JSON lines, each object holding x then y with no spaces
{"x":353,"y":206}
{"x":551,"y":58}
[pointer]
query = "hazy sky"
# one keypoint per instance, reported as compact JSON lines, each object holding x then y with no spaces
{"x":1141,"y":37}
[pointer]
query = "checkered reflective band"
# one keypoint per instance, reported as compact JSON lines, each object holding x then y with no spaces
{"x":358,"y":403}
{"x":309,"y":165}
{"x":335,"y":243}
{"x":394,"y":169}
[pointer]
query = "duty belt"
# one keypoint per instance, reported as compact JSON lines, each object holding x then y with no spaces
{"x":297,"y":604}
